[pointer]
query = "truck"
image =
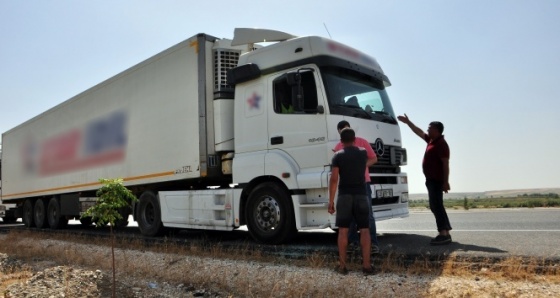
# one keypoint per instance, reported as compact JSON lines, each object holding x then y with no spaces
{"x":213,"y":134}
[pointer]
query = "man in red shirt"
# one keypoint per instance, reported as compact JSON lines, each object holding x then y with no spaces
{"x":435,"y":166}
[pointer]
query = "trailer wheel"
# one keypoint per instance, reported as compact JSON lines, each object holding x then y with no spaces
{"x":55,"y":219}
{"x":270,"y":216}
{"x":28,"y":213}
{"x":149,"y":215}
{"x":40,"y":214}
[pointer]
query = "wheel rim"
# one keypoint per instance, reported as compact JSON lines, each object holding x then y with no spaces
{"x":268,"y":213}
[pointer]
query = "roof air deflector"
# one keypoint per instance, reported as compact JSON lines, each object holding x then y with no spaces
{"x":242,"y":36}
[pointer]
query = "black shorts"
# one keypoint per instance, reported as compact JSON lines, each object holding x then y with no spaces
{"x":352,"y":207}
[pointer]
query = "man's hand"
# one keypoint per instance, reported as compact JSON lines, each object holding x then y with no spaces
{"x":331,"y":208}
{"x":446,"y":187}
{"x":404,"y":119}
{"x":415,"y":129}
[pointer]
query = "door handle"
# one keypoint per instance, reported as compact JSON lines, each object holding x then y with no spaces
{"x":276,"y":140}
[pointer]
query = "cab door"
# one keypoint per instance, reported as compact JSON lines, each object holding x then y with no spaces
{"x":296,"y":118}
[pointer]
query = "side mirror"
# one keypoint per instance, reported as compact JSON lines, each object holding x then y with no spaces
{"x":320,"y":109}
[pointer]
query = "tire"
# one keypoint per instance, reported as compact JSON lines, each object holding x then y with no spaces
{"x":27,"y":217}
{"x":86,"y":221}
{"x":270,"y":215}
{"x":40,"y":214}
{"x":149,"y":215}
{"x":55,"y":219}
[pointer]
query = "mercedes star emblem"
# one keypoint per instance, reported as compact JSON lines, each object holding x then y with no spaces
{"x":379,"y":147}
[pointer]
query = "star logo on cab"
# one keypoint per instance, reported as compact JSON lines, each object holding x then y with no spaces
{"x":254,"y":101}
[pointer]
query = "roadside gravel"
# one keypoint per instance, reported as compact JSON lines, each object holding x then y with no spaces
{"x":147,"y":274}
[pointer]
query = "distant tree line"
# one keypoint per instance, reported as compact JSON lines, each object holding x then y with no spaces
{"x":541,"y":195}
{"x":521,"y":201}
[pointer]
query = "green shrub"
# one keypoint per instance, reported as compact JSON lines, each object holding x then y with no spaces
{"x":534,"y":203}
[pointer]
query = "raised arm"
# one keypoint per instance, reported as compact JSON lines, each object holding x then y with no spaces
{"x":415,"y":129}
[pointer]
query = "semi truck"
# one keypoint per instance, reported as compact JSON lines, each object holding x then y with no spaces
{"x":213,"y":134}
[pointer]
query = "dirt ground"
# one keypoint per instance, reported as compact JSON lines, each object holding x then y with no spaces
{"x":148,"y":274}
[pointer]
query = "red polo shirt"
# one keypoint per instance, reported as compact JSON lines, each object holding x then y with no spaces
{"x":432,"y":164}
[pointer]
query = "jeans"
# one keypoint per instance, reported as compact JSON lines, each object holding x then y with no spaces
{"x":353,"y":236}
{"x":435,"y":194}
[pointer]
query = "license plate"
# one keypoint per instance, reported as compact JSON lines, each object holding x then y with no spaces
{"x":384,"y":193}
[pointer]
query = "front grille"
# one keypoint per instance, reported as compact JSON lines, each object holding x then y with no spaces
{"x":224,"y":60}
{"x":390,"y":161}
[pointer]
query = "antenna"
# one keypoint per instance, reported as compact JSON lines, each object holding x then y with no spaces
{"x":327,"y":30}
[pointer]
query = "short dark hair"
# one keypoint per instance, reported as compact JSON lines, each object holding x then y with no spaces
{"x":347,"y":136}
{"x":438,"y":125}
{"x":342,"y":124}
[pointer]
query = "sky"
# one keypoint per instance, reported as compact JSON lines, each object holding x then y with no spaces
{"x":489,"y":70}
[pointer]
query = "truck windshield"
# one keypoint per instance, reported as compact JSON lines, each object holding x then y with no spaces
{"x":351,"y":93}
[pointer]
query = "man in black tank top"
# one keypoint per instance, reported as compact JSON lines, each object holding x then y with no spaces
{"x":348,"y":167}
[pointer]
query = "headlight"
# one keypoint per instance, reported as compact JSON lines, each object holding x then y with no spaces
{"x":404,"y":197}
{"x":404,"y":179}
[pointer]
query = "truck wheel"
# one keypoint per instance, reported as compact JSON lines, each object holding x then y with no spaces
{"x":149,"y":215}
{"x":270,"y":216}
{"x":40,"y":214}
{"x":28,"y":213}
{"x":55,"y":219}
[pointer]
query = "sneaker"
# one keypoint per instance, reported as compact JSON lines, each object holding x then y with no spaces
{"x":441,"y":240}
{"x":369,"y":271}
{"x":342,"y":271}
{"x":374,"y":249}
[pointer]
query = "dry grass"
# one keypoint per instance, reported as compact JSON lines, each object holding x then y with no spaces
{"x":514,"y":268}
{"x":238,"y":280}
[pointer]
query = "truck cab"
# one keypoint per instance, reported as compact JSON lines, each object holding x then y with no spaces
{"x":289,"y":97}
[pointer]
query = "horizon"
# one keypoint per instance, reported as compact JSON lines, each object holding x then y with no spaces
{"x":512,"y":189}
{"x":466,"y":64}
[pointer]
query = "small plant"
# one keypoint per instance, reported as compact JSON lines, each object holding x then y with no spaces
{"x":111,"y":197}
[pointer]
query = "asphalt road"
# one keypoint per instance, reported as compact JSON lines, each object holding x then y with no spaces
{"x":478,"y":232}
{"x":492,"y":233}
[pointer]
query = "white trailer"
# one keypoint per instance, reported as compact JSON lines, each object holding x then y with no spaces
{"x":201,"y":133}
